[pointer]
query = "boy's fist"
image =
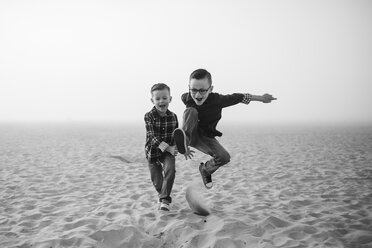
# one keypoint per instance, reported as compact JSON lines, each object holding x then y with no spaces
{"x":267,"y":98}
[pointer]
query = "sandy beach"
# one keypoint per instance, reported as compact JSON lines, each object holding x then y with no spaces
{"x":89,"y":186}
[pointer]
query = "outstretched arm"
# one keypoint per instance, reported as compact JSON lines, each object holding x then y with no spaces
{"x":265,"y":98}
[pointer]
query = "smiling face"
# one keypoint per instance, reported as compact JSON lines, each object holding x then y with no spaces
{"x":200,"y":90}
{"x":161,"y":100}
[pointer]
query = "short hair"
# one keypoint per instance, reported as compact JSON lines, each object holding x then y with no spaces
{"x":159,"y":86}
{"x":200,"y":74}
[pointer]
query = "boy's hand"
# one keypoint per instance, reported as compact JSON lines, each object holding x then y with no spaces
{"x":267,"y":98}
{"x":189,"y":153}
{"x":172,"y":150}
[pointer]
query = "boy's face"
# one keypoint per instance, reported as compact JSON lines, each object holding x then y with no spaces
{"x":200,"y":89}
{"x":161,"y":100}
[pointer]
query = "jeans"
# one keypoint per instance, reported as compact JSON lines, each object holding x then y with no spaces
{"x":163,"y":183}
{"x":204,"y":144}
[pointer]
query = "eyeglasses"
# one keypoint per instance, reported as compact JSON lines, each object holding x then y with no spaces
{"x":201,"y":91}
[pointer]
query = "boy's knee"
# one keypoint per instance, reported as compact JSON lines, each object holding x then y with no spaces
{"x":170,"y":170}
{"x":223,"y":158}
{"x":226,"y":158}
{"x":190,"y":111}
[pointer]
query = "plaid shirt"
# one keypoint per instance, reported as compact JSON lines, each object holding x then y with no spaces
{"x":158,"y":129}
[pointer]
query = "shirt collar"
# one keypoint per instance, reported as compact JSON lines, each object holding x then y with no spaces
{"x":155,"y":112}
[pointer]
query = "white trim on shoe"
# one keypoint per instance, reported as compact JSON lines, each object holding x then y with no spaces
{"x":164,"y":206}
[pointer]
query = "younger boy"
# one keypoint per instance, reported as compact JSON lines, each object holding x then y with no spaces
{"x":160,"y":123}
{"x":203,"y":112}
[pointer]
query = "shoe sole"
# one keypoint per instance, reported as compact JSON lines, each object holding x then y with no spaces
{"x":164,"y":208}
{"x":180,"y":140}
{"x":207,"y":180}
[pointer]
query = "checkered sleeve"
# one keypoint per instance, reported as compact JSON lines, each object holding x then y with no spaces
{"x":247,"y":98}
{"x":150,"y":131}
{"x":163,"y":146}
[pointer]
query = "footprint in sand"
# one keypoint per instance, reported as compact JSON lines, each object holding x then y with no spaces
{"x":122,"y":159}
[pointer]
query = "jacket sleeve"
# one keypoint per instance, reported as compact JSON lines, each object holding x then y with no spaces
{"x":184,"y":98}
{"x":229,"y":100}
{"x":175,"y":117}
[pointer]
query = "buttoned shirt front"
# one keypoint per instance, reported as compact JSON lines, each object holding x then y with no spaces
{"x":158,"y":129}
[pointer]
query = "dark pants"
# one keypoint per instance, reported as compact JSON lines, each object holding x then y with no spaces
{"x":204,"y":144}
{"x":163,"y":183}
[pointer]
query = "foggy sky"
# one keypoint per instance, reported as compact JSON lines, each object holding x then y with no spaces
{"x":96,"y":60}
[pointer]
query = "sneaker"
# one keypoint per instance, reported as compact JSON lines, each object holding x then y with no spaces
{"x":164,"y":206}
{"x":207,"y":178}
{"x":180,"y":140}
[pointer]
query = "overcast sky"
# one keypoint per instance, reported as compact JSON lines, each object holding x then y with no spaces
{"x":96,"y":60}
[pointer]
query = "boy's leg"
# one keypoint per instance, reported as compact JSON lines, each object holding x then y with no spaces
{"x":156,"y":173}
{"x":212,"y":147}
{"x":187,"y":135}
{"x":220,"y":157}
{"x":169,"y":169}
{"x":190,"y":125}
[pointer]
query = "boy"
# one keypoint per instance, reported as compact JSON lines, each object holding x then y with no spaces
{"x":203,"y":111}
{"x":160,"y":123}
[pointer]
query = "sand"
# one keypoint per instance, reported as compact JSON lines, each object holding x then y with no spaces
{"x":89,"y":186}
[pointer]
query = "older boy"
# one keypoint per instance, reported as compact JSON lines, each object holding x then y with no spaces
{"x":160,"y":152}
{"x":203,"y":112}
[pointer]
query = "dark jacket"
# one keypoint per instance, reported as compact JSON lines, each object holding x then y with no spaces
{"x":210,"y":111}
